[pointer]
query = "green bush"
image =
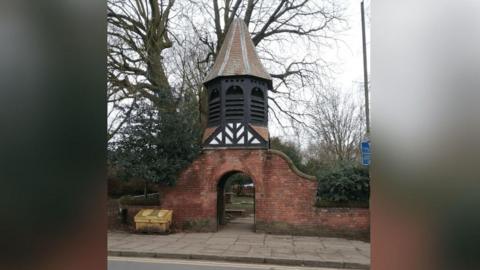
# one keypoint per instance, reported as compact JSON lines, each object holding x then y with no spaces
{"x":156,"y":143}
{"x":343,"y":184}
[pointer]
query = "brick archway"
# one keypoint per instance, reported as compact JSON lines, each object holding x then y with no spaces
{"x":283,"y":195}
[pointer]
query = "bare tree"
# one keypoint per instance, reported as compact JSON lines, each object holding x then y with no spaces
{"x":271,"y":23}
{"x":186,"y":68}
{"x":154,"y":45}
{"x":338,"y":128}
{"x":137,"y":36}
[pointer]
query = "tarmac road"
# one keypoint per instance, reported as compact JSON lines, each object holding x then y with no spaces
{"x":125,"y":263}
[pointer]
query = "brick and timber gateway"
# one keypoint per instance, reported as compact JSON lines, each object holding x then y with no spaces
{"x":237,"y":140}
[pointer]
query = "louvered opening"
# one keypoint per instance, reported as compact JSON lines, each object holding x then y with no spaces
{"x":257,"y":106}
{"x":214,"y":107}
{"x":234,"y":102}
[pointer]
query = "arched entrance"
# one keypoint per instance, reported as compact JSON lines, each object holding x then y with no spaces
{"x":236,"y":202}
{"x":284,"y":197}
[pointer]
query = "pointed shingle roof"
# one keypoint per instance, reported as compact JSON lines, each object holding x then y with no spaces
{"x":237,"y":55}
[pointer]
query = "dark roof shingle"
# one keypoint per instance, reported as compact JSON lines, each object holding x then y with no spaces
{"x":237,"y":55}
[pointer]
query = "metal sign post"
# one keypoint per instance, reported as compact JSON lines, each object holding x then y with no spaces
{"x":365,"y":144}
{"x":365,"y":71}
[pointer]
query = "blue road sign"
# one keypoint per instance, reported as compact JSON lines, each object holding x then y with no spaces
{"x":366,"y":155}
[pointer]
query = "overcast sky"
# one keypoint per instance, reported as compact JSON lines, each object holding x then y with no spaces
{"x":348,"y":59}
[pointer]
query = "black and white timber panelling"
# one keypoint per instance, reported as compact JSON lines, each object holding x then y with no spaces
{"x":235,"y":134}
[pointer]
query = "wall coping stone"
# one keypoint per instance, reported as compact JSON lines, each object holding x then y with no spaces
{"x":292,"y":166}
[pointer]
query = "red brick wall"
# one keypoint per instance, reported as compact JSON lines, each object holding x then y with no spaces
{"x":284,"y":197}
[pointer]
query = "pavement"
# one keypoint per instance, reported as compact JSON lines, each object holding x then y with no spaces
{"x":237,"y":242}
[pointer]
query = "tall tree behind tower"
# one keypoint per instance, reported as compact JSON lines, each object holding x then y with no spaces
{"x":137,"y":35}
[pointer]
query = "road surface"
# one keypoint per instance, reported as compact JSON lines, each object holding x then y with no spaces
{"x":125,"y":263}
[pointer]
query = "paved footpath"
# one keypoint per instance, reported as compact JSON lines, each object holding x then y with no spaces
{"x":244,"y":246}
{"x":237,"y":242}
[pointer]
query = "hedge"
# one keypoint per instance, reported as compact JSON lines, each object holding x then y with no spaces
{"x":343,"y":185}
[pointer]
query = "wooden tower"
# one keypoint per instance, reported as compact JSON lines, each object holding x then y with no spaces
{"x":237,"y":89}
